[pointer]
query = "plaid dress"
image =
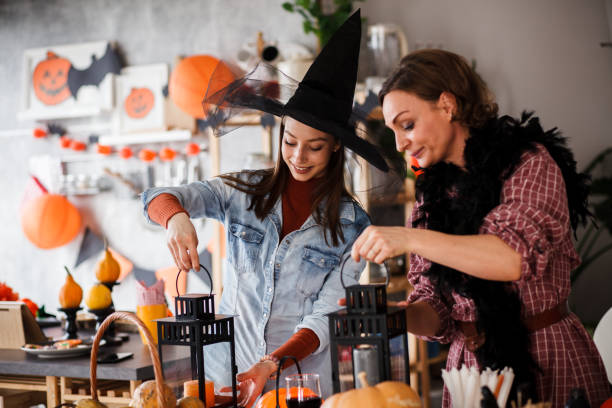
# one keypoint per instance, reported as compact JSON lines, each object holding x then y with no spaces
{"x":533,"y":219}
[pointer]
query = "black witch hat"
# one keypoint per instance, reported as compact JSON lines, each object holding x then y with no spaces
{"x":322,"y":100}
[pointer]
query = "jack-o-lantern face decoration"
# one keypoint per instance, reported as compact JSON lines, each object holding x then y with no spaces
{"x":50,"y":79}
{"x":139,"y":103}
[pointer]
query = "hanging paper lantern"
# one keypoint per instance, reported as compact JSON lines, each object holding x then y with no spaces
{"x":50,"y":221}
{"x":189,"y":82}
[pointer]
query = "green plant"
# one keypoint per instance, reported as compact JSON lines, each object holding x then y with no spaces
{"x":317,"y":19}
{"x":601,"y":204}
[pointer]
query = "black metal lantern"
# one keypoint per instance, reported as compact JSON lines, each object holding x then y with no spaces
{"x":196,"y":325}
{"x":367,"y":336}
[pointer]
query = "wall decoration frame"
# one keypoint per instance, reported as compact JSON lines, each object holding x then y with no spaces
{"x":67,"y":81}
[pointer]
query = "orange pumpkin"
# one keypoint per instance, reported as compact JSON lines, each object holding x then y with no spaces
{"x":139,"y":103}
{"x":190,"y":82}
{"x":387,"y":394}
{"x":50,"y":79}
{"x":50,"y":221}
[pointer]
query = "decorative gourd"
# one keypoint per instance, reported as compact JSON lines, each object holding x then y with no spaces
{"x":89,"y":403}
{"x":387,"y":394}
{"x":145,"y":396}
{"x":71,"y":293}
{"x":98,"y":297}
{"x":139,"y":103}
{"x":50,"y":79}
{"x":189,"y":402}
{"x":107,"y":269}
{"x":50,"y":220}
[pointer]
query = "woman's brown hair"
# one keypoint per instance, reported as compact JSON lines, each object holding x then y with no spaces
{"x":266,"y":187}
{"x":427,"y":73}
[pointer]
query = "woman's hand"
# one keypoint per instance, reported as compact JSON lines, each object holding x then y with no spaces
{"x":183,"y":242}
{"x":377,"y":244}
{"x":252,"y":382}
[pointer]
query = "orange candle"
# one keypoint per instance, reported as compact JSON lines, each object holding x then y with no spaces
{"x":191,"y":389}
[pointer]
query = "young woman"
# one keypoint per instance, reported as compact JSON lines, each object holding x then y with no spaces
{"x":288,"y":228}
{"x":491,"y":233}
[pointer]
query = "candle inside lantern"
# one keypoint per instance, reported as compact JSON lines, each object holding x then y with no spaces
{"x":191,"y":389}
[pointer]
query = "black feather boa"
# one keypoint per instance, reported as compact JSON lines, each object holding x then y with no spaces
{"x":456,"y":200}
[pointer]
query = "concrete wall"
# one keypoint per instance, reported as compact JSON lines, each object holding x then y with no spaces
{"x":543,"y":56}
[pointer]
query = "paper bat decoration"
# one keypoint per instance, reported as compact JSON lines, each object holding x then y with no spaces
{"x":96,"y":71}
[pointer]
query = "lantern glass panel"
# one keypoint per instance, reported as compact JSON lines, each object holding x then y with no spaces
{"x":345,"y":367}
{"x":398,"y":364}
{"x":176,"y":364}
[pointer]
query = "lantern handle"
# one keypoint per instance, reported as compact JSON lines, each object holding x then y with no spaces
{"x":207,"y":273}
{"x":342,"y":270}
{"x":387,"y":279}
{"x":278,"y":371}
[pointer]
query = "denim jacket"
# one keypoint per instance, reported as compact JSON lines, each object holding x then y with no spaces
{"x":274,"y":288}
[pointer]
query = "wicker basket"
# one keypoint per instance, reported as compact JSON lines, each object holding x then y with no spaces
{"x":157,"y":367}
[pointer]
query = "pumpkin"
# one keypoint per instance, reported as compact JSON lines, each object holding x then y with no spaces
{"x":268,"y":400}
{"x":89,"y":403}
{"x":189,"y":402}
{"x":167,"y":154}
{"x":139,"y":103}
{"x":126,"y":153}
{"x":98,"y":297}
{"x":387,"y":394}
{"x":50,"y":221}
{"x":71,"y":294}
{"x":145,"y":396}
{"x":190,"y":81}
{"x":50,"y":79}
{"x":107,"y":268}
{"x":146,"y":155}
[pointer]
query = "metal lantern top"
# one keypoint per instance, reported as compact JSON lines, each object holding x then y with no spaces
{"x":195,"y":307}
{"x":367,"y":299}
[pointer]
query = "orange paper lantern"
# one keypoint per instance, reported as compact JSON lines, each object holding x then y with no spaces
{"x":190,"y":82}
{"x":50,"y":221}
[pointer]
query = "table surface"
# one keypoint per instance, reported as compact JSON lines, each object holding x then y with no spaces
{"x":139,"y":367}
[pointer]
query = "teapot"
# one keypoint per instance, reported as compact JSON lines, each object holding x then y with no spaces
{"x":387,"y":44}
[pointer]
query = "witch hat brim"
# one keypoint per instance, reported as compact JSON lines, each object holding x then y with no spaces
{"x":322,"y":100}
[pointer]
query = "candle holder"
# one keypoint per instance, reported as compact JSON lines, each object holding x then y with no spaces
{"x":122,"y":336}
{"x":71,"y":326}
{"x":109,"y":335}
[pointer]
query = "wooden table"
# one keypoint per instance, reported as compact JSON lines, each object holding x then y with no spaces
{"x":65,"y":379}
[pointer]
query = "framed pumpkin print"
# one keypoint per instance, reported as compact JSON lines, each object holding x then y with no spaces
{"x":67,"y":81}
{"x":140,"y":98}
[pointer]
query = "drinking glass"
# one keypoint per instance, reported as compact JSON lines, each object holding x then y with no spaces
{"x":303,"y":391}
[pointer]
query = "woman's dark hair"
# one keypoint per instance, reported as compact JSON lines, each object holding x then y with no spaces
{"x":428,"y":73}
{"x":266,"y":187}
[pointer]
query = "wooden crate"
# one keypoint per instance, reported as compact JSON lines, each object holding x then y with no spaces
{"x":110,"y":392}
